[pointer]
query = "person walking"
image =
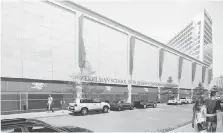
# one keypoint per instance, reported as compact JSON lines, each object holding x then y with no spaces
{"x":212,"y":105}
{"x":199,"y":118}
{"x":50,"y":103}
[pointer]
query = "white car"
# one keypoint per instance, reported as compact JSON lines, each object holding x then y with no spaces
{"x":174,"y":101}
{"x":84,"y":105}
{"x":186,"y":100}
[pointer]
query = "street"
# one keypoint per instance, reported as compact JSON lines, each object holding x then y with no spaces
{"x":137,"y":120}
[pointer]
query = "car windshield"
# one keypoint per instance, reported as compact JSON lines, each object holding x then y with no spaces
{"x":116,"y":101}
{"x":183,"y":98}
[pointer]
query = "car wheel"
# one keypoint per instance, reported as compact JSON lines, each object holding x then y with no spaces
{"x":119,"y":108}
{"x":84,"y":111}
{"x":131,"y":107}
{"x":105,"y":109}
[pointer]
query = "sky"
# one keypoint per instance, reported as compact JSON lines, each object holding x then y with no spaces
{"x":161,"y":19}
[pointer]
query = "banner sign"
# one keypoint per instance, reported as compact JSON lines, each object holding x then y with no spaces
{"x":131,"y":56}
{"x":180,"y":67}
{"x":94,"y":79}
{"x":161,"y":60}
{"x":194,"y":64}
{"x":39,"y":86}
{"x":203,"y":73}
{"x":209,"y":76}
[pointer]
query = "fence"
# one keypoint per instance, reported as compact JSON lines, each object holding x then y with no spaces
{"x":18,"y":102}
{"x":22,"y":102}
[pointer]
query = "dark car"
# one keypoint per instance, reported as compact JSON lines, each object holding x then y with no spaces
{"x":119,"y":105}
{"x":33,"y":125}
{"x":145,"y":104}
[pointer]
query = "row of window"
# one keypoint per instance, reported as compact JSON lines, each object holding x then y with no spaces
{"x":209,"y":40}
{"x":207,"y":62}
{"x":207,"y":56}
{"x":89,"y":101}
{"x":193,"y":48}
{"x":196,"y":48}
{"x":180,"y":35}
{"x":209,"y":52}
{"x":207,"y":17}
{"x":208,"y":26}
{"x":208,"y":34}
{"x":207,"y":30}
{"x":182,"y":42}
{"x":196,"y":52}
{"x":187,"y":47}
{"x":206,"y":42}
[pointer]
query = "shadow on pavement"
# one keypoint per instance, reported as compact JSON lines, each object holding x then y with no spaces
{"x":89,"y":113}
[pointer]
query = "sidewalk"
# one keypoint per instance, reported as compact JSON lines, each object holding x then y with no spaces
{"x":188,"y":128}
{"x":35,"y":114}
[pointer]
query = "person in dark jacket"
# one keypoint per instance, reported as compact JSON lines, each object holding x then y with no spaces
{"x":212,"y":105}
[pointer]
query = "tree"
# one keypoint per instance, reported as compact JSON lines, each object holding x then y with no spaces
{"x":76,"y":81}
{"x":199,"y":90}
{"x":170,"y":84}
{"x":170,"y":80}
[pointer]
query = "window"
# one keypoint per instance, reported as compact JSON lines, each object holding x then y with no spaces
{"x":85,"y":101}
{"x":95,"y":100}
{"x":12,"y":130}
{"x":41,"y":129}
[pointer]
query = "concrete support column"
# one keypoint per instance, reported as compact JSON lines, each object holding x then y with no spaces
{"x":129,"y":93}
{"x":130,"y":48}
{"x":79,"y":32}
{"x":79,"y":91}
{"x":159,"y":97}
{"x":178,"y":93}
{"x":27,"y":100}
{"x":20,"y":101}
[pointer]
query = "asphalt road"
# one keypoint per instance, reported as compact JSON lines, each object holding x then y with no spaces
{"x":137,"y":120}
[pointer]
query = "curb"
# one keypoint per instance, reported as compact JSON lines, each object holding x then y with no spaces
{"x":33,"y":117}
{"x":171,"y":129}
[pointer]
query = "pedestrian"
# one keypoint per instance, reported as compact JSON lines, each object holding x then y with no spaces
{"x":212,"y":104}
{"x":199,"y":118}
{"x":50,"y":103}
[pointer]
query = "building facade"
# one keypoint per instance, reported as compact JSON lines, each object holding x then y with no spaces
{"x":218,"y":81}
{"x":196,"y":38}
{"x":46,"y":45}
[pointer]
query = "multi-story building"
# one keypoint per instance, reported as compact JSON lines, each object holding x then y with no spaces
{"x":195,"y":39}
{"x":47,"y":43}
{"x":218,"y":81}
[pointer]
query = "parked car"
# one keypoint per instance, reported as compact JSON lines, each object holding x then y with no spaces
{"x":144,"y":104}
{"x":119,"y":105}
{"x":84,"y":105}
{"x":33,"y":125}
{"x":174,"y":101}
{"x":186,"y":100}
